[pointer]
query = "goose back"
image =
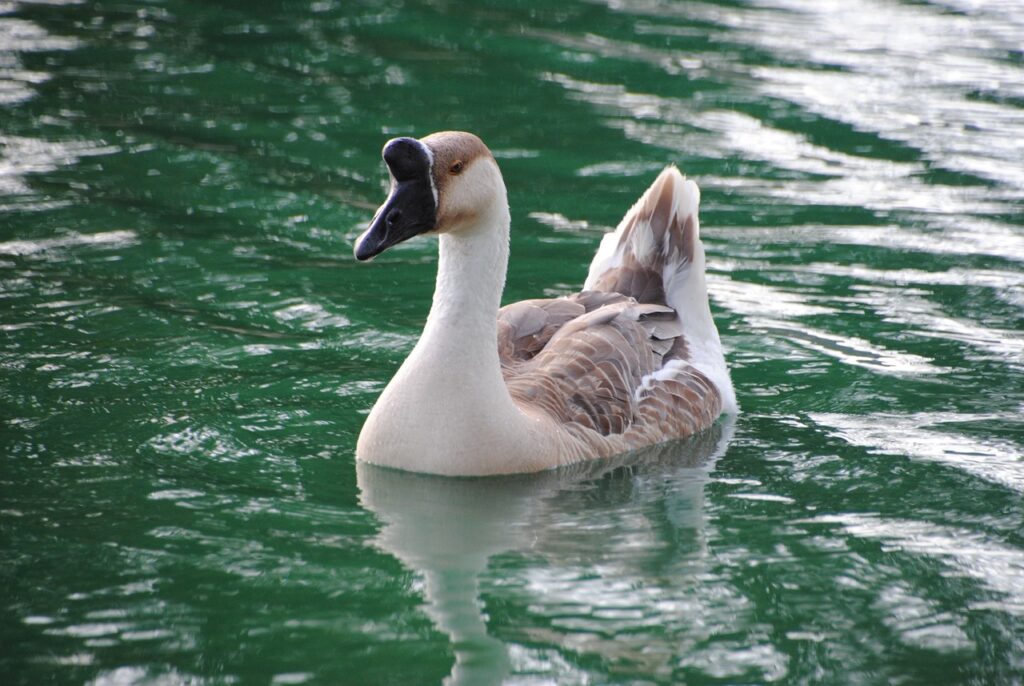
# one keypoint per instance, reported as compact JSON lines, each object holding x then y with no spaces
{"x":615,"y":360}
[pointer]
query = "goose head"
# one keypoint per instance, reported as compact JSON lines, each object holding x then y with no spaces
{"x":442,"y":183}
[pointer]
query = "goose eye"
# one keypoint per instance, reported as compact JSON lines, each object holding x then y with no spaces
{"x":457,"y":167}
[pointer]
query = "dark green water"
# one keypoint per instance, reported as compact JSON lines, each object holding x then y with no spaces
{"x":188,"y":347}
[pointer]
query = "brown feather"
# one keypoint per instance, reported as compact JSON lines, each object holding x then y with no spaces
{"x":586,"y":360}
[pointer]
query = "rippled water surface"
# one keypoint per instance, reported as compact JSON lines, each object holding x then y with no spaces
{"x":189,"y":349}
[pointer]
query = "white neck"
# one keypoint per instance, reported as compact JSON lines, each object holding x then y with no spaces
{"x":447,"y":410}
{"x":470,"y":278}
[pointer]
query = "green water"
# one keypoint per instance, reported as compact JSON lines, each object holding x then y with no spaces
{"x":189,"y":348}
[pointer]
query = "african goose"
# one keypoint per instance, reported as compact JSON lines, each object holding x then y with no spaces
{"x":632,"y":360}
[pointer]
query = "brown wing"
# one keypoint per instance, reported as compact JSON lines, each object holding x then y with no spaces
{"x":589,"y":370}
{"x":525,"y":327}
{"x":676,"y":406}
{"x":613,"y":361}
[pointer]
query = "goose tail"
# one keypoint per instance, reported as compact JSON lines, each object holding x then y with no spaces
{"x":656,"y":256}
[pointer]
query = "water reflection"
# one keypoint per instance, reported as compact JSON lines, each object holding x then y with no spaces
{"x":447,"y":530}
{"x":932,"y":436}
{"x":17,"y":36}
{"x":22,"y":156}
{"x":965,"y":553}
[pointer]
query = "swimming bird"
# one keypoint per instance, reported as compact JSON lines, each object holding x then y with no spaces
{"x":634,"y":359}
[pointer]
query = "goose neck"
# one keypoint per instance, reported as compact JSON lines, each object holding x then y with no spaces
{"x":470,"y":278}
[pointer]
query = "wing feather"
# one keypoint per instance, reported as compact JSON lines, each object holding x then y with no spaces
{"x":587,"y":373}
{"x":618,"y":359}
{"x":525,"y":327}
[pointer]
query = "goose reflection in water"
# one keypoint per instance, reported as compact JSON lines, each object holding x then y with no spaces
{"x":643,"y":504}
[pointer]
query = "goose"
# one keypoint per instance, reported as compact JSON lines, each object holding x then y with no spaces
{"x":633,"y":359}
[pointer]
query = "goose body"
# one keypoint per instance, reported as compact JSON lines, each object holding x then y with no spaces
{"x":632,"y":360}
